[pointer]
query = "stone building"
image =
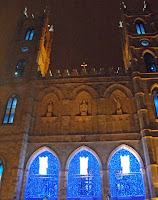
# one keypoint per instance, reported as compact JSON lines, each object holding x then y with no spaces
{"x":88,"y":134}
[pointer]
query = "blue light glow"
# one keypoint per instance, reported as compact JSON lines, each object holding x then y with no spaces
{"x":27,"y":35}
{"x":1,"y":169}
{"x":84,"y":186}
{"x":155,"y":96}
{"x":43,"y":186}
{"x":10,"y":110}
{"x":125,"y":185}
{"x":138,"y":29}
{"x":142,"y":28}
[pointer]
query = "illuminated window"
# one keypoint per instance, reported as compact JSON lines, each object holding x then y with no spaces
{"x":140,"y":27}
{"x":43,"y":165}
{"x":1,"y":170}
{"x":10,"y":110}
{"x":125,"y":164}
{"x":150,"y":62}
{"x":155,"y":97}
{"x":43,"y":177}
{"x":84,"y":181}
{"x":83,"y":166}
{"x":29,"y":34}
{"x":125,"y":176}
{"x":20,"y":68}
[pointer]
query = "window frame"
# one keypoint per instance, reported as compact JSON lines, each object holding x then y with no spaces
{"x":155,"y":90}
{"x":29,"y":35}
{"x":10,"y":110}
{"x":140,"y":28}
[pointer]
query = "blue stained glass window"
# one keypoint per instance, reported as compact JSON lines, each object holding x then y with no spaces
{"x":29,"y":34}
{"x":86,"y":186}
{"x":155,"y":97}
{"x":10,"y":110}
{"x":140,"y":27}
{"x":44,"y":185}
{"x":1,"y":170}
{"x":125,"y":185}
{"x":149,"y":62}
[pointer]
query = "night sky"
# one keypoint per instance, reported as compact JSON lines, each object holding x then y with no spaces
{"x":84,"y":30}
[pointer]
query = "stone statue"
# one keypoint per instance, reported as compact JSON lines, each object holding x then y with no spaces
{"x":84,"y":108}
{"x":118,"y":105}
{"x":50,"y":109}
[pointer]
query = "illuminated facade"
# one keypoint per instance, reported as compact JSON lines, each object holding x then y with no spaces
{"x":87,"y":135}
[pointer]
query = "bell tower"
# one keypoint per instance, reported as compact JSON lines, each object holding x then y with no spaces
{"x":139,"y":39}
{"x":30,"y":48}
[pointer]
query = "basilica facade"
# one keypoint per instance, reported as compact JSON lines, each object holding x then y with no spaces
{"x":87,"y":135}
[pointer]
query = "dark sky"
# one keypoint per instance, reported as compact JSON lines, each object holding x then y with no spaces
{"x":85,"y":30}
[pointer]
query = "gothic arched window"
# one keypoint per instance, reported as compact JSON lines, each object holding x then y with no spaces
{"x":84,"y":179}
{"x":1,"y":170}
{"x":150,"y":62}
{"x":140,"y":27}
{"x":29,"y":33}
{"x":10,"y":110}
{"x":125,"y":176}
{"x":155,"y":97}
{"x":43,"y":177}
{"x":20,"y":68}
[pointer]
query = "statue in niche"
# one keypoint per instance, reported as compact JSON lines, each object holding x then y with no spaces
{"x":50,"y":109}
{"x":119,"y":110}
{"x":84,"y":108}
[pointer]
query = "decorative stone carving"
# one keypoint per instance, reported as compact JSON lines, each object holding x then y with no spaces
{"x":118,"y":105}
{"x":84,"y":108}
{"x":50,"y":109}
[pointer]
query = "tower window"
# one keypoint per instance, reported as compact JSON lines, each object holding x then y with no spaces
{"x":29,"y":34}
{"x":150,"y":62}
{"x":140,"y":27}
{"x":10,"y":110}
{"x":1,"y":170}
{"x":20,"y":68}
{"x":155,"y":97}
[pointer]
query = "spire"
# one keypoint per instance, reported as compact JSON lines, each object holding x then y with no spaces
{"x":146,"y":7}
{"x":123,"y":6}
{"x":25,"y":12}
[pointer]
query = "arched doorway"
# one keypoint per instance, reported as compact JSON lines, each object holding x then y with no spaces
{"x":84,"y":180}
{"x":43,"y":178}
{"x":126,"y":182}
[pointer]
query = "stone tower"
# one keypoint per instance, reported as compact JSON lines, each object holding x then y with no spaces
{"x":88,"y":134}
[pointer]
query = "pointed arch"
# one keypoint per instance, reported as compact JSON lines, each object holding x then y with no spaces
{"x":140,"y":26}
{"x":29,"y":33}
{"x":120,"y":87}
{"x":43,"y":174}
{"x":128,"y":148}
{"x":10,"y":110}
{"x":50,"y":89}
{"x":84,"y":179}
{"x":125,"y":174}
{"x":20,"y":67}
{"x":38,"y":152}
{"x":86,"y":88}
{"x":81,"y":148}
{"x":149,"y":60}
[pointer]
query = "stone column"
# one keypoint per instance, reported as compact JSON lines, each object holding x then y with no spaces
{"x":147,"y":139}
{"x":62,"y":194}
{"x":105,"y":186}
